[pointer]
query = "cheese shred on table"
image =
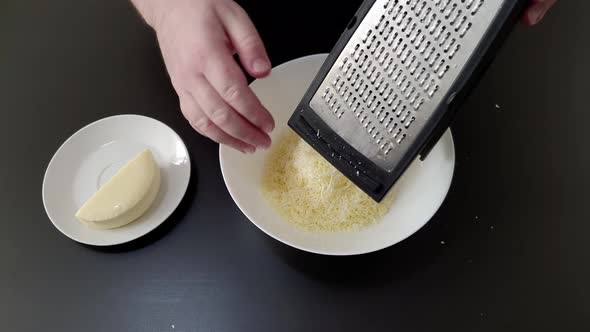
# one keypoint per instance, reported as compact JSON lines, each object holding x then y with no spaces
{"x":309,"y":192}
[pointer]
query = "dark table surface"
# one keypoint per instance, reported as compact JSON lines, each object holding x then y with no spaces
{"x":515,"y":225}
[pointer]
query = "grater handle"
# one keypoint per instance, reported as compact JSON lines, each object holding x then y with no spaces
{"x":474,"y":72}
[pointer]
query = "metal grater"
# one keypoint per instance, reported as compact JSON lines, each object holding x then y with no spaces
{"x":391,"y":85}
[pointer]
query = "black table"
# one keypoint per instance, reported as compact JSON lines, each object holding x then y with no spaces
{"x":515,"y":225}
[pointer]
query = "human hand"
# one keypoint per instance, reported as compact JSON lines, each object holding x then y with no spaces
{"x":198,"y":39}
{"x":537,"y":10}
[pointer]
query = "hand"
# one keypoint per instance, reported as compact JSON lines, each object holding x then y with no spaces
{"x":537,"y":10}
{"x":198,"y":39}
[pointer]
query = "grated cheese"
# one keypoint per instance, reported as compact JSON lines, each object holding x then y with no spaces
{"x":309,"y":192}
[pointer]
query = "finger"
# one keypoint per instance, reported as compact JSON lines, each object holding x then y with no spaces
{"x":227,"y":78}
{"x":537,"y":10}
{"x":244,"y":38}
{"x":225,"y":117}
{"x":201,"y":123}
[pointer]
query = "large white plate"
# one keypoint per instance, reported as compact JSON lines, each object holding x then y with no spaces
{"x":421,"y":190}
{"x":90,"y":157}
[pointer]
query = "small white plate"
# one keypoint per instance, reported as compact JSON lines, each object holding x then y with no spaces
{"x":90,"y":157}
{"x":421,"y":190}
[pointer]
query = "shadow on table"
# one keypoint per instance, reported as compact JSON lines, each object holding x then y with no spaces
{"x":162,"y":229}
{"x":382,"y":267}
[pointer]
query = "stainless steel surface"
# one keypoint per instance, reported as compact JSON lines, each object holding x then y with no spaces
{"x":396,"y":69}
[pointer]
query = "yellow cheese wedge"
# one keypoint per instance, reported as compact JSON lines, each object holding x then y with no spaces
{"x":125,"y":197}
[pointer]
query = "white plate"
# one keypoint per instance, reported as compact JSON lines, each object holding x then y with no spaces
{"x":90,"y":157}
{"x":422,"y":189}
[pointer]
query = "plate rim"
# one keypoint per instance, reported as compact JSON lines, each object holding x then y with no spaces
{"x":72,"y":137}
{"x":340,"y":253}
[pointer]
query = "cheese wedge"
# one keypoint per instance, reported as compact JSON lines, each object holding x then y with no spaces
{"x":125,"y":197}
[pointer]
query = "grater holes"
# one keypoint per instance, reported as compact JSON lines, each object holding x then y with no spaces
{"x":359,"y":84}
{"x":359,"y":55}
{"x":454,"y":51}
{"x":385,"y":58}
{"x":450,"y":11}
{"x":419,"y":104}
{"x":445,"y":38}
{"x":434,"y":59}
{"x":421,"y":39}
{"x":383,"y":26}
{"x":400,"y":18}
{"x":414,"y":95}
{"x":424,"y":79}
{"x":355,"y":49}
{"x":476,"y":7}
{"x":426,"y":46}
{"x":439,"y":64}
{"x":377,"y":105}
{"x":415,"y":35}
{"x":406,"y":23}
{"x":374,"y":78}
{"x":433,"y":90}
{"x":401,"y":50}
{"x":401,"y":139}
{"x":448,"y":46}
{"x":391,"y":122}
{"x":429,"y":85}
{"x":460,"y":23}
{"x":434,"y":26}
{"x":405,"y":56}
{"x":344,"y":91}
{"x":375,"y":47}
{"x":362,"y":60}
{"x":367,"y":66}
{"x":355,"y":108}
{"x":444,"y":6}
{"x":400,"y":110}
{"x":393,"y":96}
{"x":443,"y":71}
{"x":370,"y":74}
{"x":465,"y":29}
{"x":439,"y":32}
{"x":411,"y":31}
{"x":419,"y":75}
{"x":427,"y":17}
{"x":455,"y":16}
{"x":367,"y":36}
{"x":410,"y":91}
{"x":406,"y":116}
{"x":379,"y":53}
{"x":409,"y":122}
{"x":336,"y":80}
{"x":347,"y":68}
{"x":344,"y":61}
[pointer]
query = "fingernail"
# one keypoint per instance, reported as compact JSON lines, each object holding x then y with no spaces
{"x":266,"y":144}
{"x":268,"y":128}
{"x":250,"y":149}
{"x":260,"y":65}
{"x":536,"y":13}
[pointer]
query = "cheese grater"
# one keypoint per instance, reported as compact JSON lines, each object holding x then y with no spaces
{"x":392,"y":84}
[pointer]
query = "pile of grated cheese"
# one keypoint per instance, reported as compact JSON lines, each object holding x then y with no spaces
{"x":309,"y":192}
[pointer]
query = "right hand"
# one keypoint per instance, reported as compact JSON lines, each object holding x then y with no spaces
{"x":198,"y":39}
